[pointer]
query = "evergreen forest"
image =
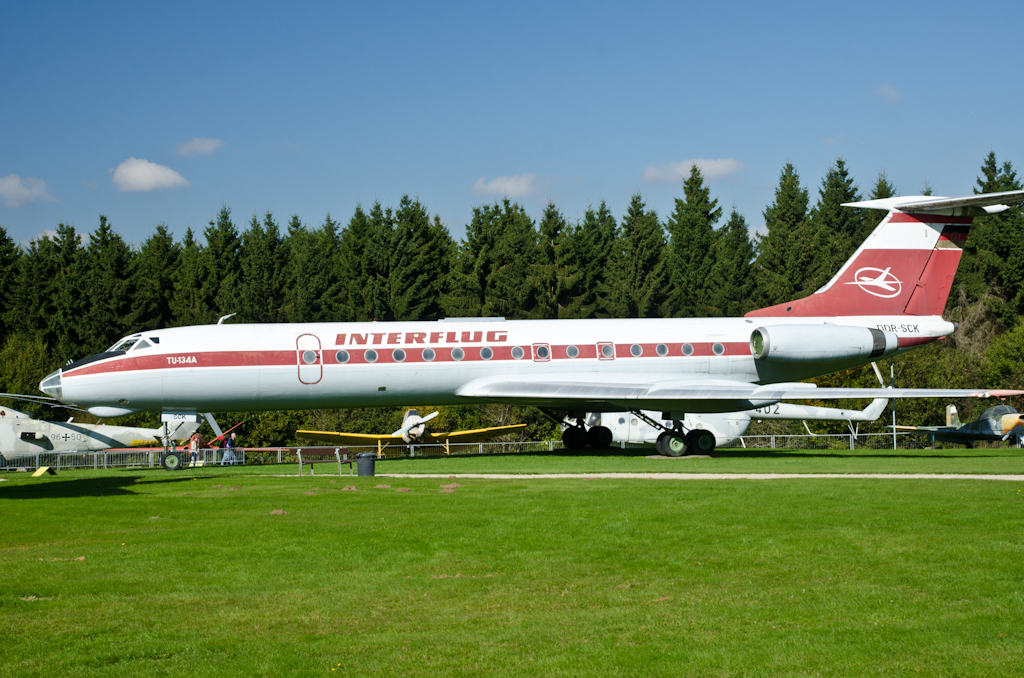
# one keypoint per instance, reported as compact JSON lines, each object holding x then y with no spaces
{"x":72,"y":294}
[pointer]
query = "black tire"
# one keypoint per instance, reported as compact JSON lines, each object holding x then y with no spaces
{"x":599,"y":437}
{"x":675,"y":445}
{"x":661,"y":445}
{"x":171,"y":461}
{"x":700,"y":441}
{"x":574,"y":438}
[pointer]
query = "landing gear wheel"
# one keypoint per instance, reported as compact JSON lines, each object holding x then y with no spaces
{"x":599,"y":437}
{"x":676,"y":445}
{"x":701,"y":441}
{"x":661,"y":445}
{"x":171,"y":460}
{"x":574,"y":438}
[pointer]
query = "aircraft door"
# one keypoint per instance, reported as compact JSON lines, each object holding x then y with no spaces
{"x":310,"y":359}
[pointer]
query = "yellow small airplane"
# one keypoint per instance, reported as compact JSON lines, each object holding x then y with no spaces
{"x":413,"y":432}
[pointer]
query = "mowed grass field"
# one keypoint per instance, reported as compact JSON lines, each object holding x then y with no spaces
{"x":149,"y":573}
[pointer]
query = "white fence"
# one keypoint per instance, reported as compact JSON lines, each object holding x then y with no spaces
{"x":287,"y":455}
{"x":114,"y":459}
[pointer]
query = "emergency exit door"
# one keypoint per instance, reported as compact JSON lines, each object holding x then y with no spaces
{"x":310,"y":359}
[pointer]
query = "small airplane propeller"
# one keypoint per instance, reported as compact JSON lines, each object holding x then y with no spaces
{"x":415,"y":421}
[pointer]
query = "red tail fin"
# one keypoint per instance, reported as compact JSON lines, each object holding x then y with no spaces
{"x":907,"y":264}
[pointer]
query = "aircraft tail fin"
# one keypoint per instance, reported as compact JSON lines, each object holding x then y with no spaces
{"x":952,"y":418}
{"x":906,"y":266}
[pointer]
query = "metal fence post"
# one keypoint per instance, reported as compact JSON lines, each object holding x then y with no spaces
{"x":773,"y":441}
{"x":279,"y":455}
{"x":481,"y":448}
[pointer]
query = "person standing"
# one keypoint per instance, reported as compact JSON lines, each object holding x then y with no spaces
{"x":194,"y":447}
{"x":229,"y":451}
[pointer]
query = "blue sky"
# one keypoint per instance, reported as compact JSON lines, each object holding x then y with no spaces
{"x":161,"y":112}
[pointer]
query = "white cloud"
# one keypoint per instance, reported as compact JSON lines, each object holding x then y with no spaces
{"x":18,"y":192}
{"x":200,"y":146}
{"x":675,"y":172}
{"x":518,"y":186}
{"x":136,"y":174}
{"x":834,"y":141}
{"x":888,"y":93}
{"x":51,"y":234}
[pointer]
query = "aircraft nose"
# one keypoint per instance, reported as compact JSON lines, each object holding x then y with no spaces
{"x":52,"y":385}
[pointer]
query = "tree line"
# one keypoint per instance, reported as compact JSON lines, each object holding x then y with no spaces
{"x":65,"y":296}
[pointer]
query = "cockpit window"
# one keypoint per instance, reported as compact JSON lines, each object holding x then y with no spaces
{"x":124,"y":344}
{"x":142,"y":344}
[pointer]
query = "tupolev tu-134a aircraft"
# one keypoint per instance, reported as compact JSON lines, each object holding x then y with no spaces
{"x":886,"y":299}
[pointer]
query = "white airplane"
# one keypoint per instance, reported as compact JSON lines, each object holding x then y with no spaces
{"x":22,"y":436}
{"x":564,"y":367}
{"x":644,"y":427}
{"x":727,"y":427}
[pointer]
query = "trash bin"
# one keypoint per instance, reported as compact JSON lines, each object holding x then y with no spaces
{"x":365,"y":463}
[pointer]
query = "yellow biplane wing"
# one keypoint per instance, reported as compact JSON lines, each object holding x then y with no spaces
{"x":473,"y":436}
{"x":333,"y":438}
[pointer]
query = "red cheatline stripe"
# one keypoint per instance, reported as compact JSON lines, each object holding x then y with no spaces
{"x":908,"y":217}
{"x":442,"y":354}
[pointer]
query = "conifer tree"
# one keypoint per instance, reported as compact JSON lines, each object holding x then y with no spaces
{"x":10,"y":253}
{"x":222,"y":289}
{"x":782,"y":259}
{"x":590,"y":247}
{"x":993,"y":257}
{"x":379,"y":262}
{"x":730,"y":281}
{"x":883,"y":189}
{"x":420,"y":257}
{"x":313,"y":292}
{"x":153,"y":276}
{"x":639,"y":282}
{"x":108,"y":304}
{"x":496,"y":268}
{"x":692,"y":247}
{"x":353,"y":269}
{"x":263,"y":260}
{"x":69,"y":294}
{"x":557,"y":271}
{"x":834,"y":232}
{"x":189,"y":305}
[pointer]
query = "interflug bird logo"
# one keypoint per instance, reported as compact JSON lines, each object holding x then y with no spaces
{"x":877,"y":282}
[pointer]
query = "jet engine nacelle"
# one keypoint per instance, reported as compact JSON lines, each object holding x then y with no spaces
{"x":820,"y":343}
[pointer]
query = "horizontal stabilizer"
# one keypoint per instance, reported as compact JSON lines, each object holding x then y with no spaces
{"x":990,"y":203}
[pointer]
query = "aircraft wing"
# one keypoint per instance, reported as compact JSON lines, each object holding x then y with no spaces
{"x":334,"y":438}
{"x":687,"y":393}
{"x":474,"y":436}
{"x":929,"y":429}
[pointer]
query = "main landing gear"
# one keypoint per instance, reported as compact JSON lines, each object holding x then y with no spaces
{"x":676,"y":442}
{"x":578,"y":437}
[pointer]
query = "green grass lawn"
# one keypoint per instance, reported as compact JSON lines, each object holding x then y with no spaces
{"x":999,"y":460}
{"x":189,"y":573}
